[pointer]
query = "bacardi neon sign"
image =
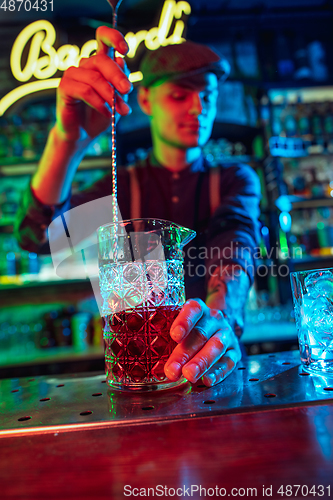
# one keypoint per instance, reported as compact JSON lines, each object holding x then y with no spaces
{"x":42,"y":35}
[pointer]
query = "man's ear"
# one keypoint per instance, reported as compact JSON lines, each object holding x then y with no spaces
{"x":144,"y":100}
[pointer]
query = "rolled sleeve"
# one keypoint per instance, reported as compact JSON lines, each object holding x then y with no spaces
{"x":32,"y":220}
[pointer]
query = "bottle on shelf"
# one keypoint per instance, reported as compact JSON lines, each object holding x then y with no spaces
{"x":277,"y":126}
{"x":4,"y":146}
{"x":303,"y":121}
{"x":302,"y":67}
{"x":15,"y":146}
{"x":27,"y":140}
{"x":81,"y":326}
{"x":328,"y":126}
{"x":246,"y":59}
{"x":288,"y":118}
{"x":265,"y":115}
{"x":317,"y":61}
{"x":285,"y":63}
{"x":317,"y":127}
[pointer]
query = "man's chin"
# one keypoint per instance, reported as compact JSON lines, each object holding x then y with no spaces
{"x":192,"y":144}
{"x":197,"y":140}
{"x":187,"y":141}
{"x":192,"y":141}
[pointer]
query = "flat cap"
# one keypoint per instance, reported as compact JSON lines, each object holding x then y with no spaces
{"x":180,"y":60}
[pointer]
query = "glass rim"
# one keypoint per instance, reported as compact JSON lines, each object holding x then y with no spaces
{"x":165,"y":222}
{"x":307,"y":271}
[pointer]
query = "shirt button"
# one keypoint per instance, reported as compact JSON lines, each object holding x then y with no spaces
{"x":175,"y":175}
{"x":175,"y":199}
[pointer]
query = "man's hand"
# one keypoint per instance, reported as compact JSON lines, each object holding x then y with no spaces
{"x":84,"y":97}
{"x":85,"y":94}
{"x":207,"y":346}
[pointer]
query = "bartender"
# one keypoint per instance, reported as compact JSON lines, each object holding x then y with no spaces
{"x":179,"y":93}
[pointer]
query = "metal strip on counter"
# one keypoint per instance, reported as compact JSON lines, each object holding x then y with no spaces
{"x":75,"y":402}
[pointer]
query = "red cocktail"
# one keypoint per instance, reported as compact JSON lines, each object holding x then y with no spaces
{"x":138,"y":344}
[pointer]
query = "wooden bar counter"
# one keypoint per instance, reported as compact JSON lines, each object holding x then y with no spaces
{"x":267,"y":431}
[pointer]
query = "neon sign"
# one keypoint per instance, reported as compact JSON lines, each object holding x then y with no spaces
{"x":43,"y":35}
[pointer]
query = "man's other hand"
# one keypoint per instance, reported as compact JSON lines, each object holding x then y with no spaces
{"x":207,"y":346}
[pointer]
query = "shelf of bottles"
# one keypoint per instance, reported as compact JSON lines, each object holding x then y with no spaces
{"x":299,"y":122}
{"x":299,"y":131}
{"x":23,"y":135}
{"x":48,"y":331}
{"x":19,"y":267}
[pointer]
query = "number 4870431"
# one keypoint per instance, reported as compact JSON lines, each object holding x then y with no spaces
{"x":304,"y":491}
{"x":26,"y":5}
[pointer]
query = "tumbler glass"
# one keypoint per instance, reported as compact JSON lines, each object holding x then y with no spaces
{"x":141,"y":280}
{"x":313,"y":304}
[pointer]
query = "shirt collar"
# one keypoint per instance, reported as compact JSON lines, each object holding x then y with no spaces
{"x":196,"y":166}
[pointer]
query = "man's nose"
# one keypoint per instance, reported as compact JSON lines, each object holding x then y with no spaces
{"x":196,"y":105}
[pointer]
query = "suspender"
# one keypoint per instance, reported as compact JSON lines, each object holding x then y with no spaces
{"x":135,"y":193}
{"x":214,"y":189}
{"x":214,"y":193}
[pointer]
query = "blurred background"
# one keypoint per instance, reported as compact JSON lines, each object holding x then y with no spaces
{"x":275,"y":113}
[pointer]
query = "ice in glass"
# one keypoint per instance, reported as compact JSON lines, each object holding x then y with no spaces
{"x":313,"y":303}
